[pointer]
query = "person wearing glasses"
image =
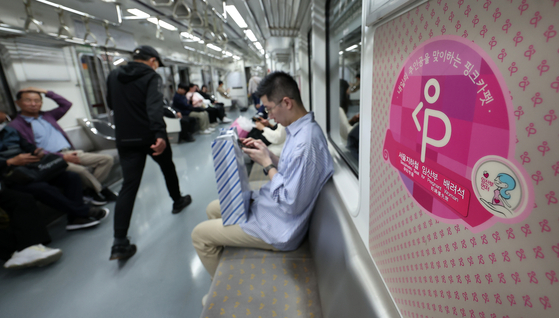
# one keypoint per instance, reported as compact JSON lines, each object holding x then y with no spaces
{"x":278,"y":218}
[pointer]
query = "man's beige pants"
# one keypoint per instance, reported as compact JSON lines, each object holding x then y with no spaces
{"x":100,"y":163}
{"x":204,"y":119}
{"x":209,"y":238}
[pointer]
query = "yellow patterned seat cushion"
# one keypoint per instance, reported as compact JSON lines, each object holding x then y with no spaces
{"x":262,"y":284}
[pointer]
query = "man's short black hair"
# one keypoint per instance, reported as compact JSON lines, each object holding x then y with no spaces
{"x":20,"y":94}
{"x":191,"y":85}
{"x":204,"y":86}
{"x":220,"y":82}
{"x":358,"y":75}
{"x":278,"y":85}
{"x":183,"y":86}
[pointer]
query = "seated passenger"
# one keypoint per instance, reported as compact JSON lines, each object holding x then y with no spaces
{"x":185,"y":108}
{"x":41,"y":129}
{"x":278,"y":218}
{"x":23,"y":232}
{"x":16,"y":151}
{"x":197,"y":100}
{"x":273,"y":136}
{"x":225,"y":94}
{"x":219,"y":106}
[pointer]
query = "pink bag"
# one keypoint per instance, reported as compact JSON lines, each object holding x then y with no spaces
{"x":241,"y":124}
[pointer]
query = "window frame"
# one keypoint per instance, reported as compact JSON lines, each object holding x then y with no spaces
{"x":333,"y":38}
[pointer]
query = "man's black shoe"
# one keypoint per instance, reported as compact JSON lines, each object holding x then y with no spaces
{"x":122,"y":251}
{"x":98,"y":214}
{"x":182,"y":203}
{"x":81,"y":223}
{"x":108,"y":194}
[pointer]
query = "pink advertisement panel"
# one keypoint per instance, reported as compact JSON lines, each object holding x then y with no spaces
{"x":464,"y":215}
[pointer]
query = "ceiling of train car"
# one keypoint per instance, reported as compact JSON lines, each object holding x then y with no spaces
{"x":270,"y":24}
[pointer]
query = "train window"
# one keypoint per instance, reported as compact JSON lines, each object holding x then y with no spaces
{"x":344,"y":46}
{"x":94,"y":84}
{"x":168,"y":86}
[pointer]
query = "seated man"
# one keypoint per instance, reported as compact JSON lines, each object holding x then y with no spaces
{"x":23,"y":232}
{"x":225,"y":94}
{"x":279,"y":215}
{"x":185,"y":109}
{"x":197,"y":100}
{"x":40,"y":128}
{"x":16,"y":151}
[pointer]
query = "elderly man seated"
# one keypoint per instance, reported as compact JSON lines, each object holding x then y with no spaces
{"x":41,"y":129}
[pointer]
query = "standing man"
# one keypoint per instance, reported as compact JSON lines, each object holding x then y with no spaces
{"x":134,"y":93}
{"x":42,"y":130}
{"x":252,"y":86}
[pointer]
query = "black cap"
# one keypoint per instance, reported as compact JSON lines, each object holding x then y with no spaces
{"x":148,"y":51}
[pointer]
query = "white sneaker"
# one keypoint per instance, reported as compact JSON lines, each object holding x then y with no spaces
{"x":212,"y":125}
{"x":35,"y":255}
{"x":211,"y":129}
{"x":226,"y":120}
{"x":206,"y":132}
{"x":205,"y":299}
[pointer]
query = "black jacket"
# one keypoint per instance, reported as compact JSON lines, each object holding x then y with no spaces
{"x":134,"y":94}
{"x":207,"y":96}
{"x":11,"y":145}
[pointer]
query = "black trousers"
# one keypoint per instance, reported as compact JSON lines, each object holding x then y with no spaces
{"x":70,"y":201}
{"x":26,"y":226}
{"x":133,"y":161}
{"x":188,"y":127}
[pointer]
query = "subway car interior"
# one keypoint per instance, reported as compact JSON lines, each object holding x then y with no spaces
{"x":441,"y":206}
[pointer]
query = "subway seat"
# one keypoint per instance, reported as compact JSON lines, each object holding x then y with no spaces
{"x":330,"y":275}
{"x":264,"y":283}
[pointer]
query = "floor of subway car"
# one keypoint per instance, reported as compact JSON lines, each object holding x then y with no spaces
{"x":164,"y":279}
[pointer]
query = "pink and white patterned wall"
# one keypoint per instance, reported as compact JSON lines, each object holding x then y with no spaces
{"x":437,"y":269}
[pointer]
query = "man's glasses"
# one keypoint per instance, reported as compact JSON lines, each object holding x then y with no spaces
{"x":270,"y":110}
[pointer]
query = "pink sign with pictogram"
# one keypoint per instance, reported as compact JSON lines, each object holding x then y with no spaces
{"x":451,"y":136}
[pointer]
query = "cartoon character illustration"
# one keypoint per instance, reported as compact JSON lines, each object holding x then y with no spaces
{"x":505,"y":183}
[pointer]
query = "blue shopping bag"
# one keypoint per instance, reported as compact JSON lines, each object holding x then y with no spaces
{"x":231,"y":178}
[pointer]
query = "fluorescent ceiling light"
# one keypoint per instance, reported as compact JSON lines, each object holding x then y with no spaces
{"x":341,"y":52}
{"x":250,"y":35}
{"x":258,"y":45}
{"x":267,"y":55}
{"x":236,"y":57}
{"x":139,"y":13}
{"x":117,"y":62}
{"x":189,"y":48}
{"x":190,"y":36}
{"x":236,"y":16}
{"x":351,"y":47}
{"x":11,"y":30}
{"x":56,"y":5}
{"x":213,"y":47}
{"x":163,"y":24}
{"x":227,"y":53}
